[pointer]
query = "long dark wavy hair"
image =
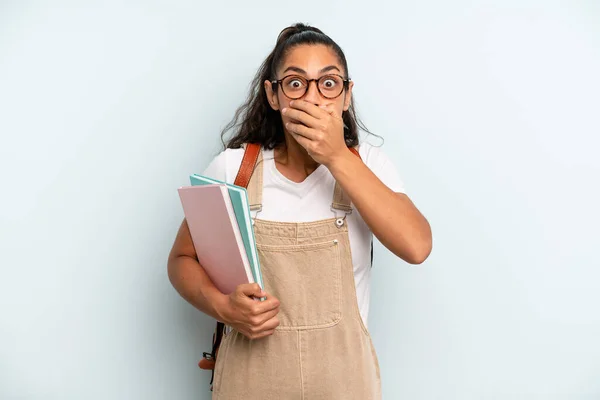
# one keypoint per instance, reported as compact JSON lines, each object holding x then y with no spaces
{"x":256,"y":122}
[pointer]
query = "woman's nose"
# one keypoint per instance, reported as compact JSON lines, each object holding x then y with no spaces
{"x":312,"y":94}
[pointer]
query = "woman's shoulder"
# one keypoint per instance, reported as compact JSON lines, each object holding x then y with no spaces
{"x":371,"y":154}
{"x":224,"y":166}
{"x":382,"y":165}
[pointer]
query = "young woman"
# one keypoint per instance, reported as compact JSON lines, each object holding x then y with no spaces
{"x":319,"y":197}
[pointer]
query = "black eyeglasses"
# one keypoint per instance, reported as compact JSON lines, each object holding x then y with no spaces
{"x":296,"y":86}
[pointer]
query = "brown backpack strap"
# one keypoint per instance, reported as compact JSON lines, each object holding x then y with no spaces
{"x":247,"y":167}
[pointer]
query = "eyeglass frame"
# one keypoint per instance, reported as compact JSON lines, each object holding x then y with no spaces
{"x":308,"y":82}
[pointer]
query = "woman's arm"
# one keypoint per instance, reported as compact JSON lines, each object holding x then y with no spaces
{"x":189,"y":278}
{"x":392,"y":217}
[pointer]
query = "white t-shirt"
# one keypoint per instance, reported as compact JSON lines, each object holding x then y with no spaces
{"x":287,"y":201}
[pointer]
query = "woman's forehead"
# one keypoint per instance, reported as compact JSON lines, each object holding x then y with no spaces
{"x":311,"y":58}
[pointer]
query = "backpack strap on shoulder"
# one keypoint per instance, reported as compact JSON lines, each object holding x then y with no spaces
{"x":248,"y":163}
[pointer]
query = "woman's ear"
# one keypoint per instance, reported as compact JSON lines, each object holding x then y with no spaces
{"x":348,"y":97}
{"x":271,"y":96}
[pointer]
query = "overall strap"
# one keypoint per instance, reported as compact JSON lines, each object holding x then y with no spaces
{"x":341,"y":201}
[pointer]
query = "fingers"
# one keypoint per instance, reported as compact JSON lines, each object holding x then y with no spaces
{"x":301,"y":130}
{"x":268,"y":325}
{"x":255,"y":336}
{"x":260,"y":319}
{"x":254,"y":319}
{"x":265,"y":329}
{"x":271,"y":324}
{"x":261,"y":307}
{"x":309,"y":108}
{"x":250,"y":290}
{"x":302,"y":117}
{"x":245,"y":293}
{"x":303,"y":141}
{"x":330,"y":109}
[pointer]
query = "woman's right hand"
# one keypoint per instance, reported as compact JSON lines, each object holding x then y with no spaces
{"x":252,"y":318}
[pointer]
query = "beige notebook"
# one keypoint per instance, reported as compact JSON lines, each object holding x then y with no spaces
{"x":216,"y":235}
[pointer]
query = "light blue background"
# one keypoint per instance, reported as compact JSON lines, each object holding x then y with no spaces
{"x":489,"y":109}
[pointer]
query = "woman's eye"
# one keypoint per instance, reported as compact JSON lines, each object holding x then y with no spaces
{"x":329,"y":83}
{"x":296,"y":84}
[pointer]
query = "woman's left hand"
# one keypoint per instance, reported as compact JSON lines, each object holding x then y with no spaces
{"x":318,"y":129}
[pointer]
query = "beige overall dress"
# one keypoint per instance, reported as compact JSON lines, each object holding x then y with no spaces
{"x":321,"y":349}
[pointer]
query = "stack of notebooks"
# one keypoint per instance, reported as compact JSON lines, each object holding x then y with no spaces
{"x":218,"y":216}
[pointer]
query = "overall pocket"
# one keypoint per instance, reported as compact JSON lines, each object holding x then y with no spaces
{"x":306,"y":279}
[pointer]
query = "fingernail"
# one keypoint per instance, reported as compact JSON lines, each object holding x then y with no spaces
{"x":284,"y":111}
{"x":291,"y":103}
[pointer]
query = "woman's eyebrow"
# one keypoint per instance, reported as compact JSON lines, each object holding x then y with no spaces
{"x":295,"y":69}
{"x":329,"y":68}
{"x":301,"y":71}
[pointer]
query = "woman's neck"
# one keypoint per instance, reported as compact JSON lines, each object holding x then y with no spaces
{"x":293,"y":161}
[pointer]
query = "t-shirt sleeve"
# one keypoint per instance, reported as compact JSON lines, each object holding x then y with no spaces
{"x":224,"y":167}
{"x":217,"y":169}
{"x":383,"y":167}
